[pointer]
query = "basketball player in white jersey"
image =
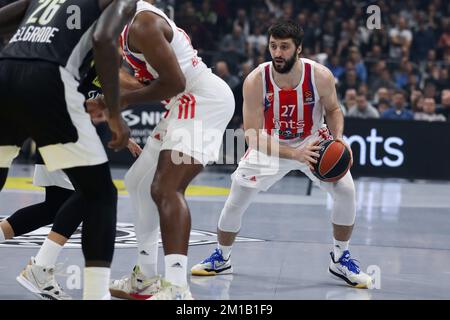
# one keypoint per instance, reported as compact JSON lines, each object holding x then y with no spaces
{"x":199,"y":106}
{"x":288,"y":99}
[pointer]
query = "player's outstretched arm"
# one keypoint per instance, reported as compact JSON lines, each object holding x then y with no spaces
{"x":12,"y":15}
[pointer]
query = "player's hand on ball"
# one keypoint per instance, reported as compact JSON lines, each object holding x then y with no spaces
{"x":348,"y":147}
{"x":308,"y":153}
{"x":134,"y":148}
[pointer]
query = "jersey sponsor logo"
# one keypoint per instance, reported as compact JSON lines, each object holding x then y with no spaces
{"x":289,"y":124}
{"x":93,"y":94}
{"x":308,"y":97}
{"x":125,"y":238}
{"x":34,"y":34}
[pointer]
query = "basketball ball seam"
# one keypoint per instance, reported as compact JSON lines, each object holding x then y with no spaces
{"x":337,"y":178}
{"x":331,"y":168}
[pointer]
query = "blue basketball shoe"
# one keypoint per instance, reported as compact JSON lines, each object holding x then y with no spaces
{"x":346,"y":269}
{"x":213,"y":265}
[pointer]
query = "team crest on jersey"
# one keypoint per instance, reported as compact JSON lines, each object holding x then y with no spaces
{"x":125,"y":238}
{"x":268,"y":100}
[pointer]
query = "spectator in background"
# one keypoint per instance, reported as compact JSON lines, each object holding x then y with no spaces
{"x":224,"y":73}
{"x":429,"y":112}
{"x":312,"y":30}
{"x":257,"y":42}
{"x":375,"y":54}
{"x":413,"y":83}
{"x":402,"y":76}
{"x":237,"y":120}
{"x":384,"y":81}
{"x":363,"y":89}
{"x":379,"y":39}
{"x":382,"y":94}
{"x":350,"y":99}
{"x":233,"y":47}
{"x":383,"y":105}
{"x":335,"y":67}
{"x":398,"y":110}
{"x":363,"y":109}
{"x":400,"y":37}
{"x":427,"y":65}
{"x":430,"y":90}
{"x":328,"y":36}
{"x":207,"y":16}
{"x":444,"y":108}
{"x":444,"y":40}
{"x":350,"y":81}
{"x":361,"y":70}
{"x":416,"y":100}
{"x":242,"y":21}
{"x":288,"y":10}
{"x":423,"y":39}
{"x":274,"y":8}
{"x":443,"y":81}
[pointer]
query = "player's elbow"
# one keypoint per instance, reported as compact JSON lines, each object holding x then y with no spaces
{"x":102,"y":40}
{"x":179,"y":84}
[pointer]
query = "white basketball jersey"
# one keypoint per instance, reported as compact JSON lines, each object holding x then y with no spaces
{"x":291,"y":115}
{"x":189,"y":62}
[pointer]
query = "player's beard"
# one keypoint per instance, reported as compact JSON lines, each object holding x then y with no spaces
{"x":288,"y":64}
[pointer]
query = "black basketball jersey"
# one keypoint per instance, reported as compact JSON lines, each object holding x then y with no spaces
{"x":90,"y":85}
{"x":58,"y":31}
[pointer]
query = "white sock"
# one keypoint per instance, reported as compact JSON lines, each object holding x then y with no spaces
{"x":48,"y":254}
{"x":176,"y":269}
{"x":147,"y":262}
{"x":226,"y":251}
{"x":339,"y":247}
{"x":96,"y":283}
{"x":2,"y":236}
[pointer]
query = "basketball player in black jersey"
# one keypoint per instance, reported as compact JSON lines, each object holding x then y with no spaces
{"x":57,"y":191}
{"x":40,"y":72}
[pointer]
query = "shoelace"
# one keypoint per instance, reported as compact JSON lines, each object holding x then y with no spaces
{"x":349,"y":263}
{"x":216,"y":256}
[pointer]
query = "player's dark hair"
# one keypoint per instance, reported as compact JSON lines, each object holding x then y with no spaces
{"x":287,"y":29}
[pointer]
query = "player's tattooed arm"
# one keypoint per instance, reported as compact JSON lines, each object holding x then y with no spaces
{"x":11,"y":16}
{"x":150,"y":34}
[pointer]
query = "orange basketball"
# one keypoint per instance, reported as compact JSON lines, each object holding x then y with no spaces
{"x":334,"y":161}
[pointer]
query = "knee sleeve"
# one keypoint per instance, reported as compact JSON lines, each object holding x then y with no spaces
{"x":344,"y":207}
{"x":237,"y":203}
{"x":33,"y":217}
